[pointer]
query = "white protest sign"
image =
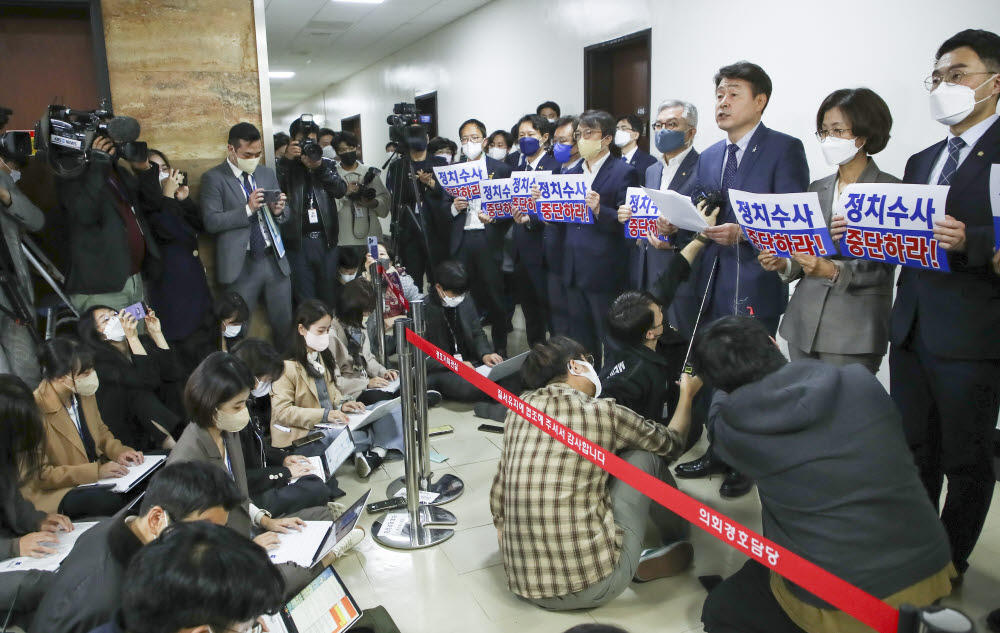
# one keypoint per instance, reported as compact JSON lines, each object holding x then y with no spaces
{"x":783,"y":223}
{"x":461,"y":180}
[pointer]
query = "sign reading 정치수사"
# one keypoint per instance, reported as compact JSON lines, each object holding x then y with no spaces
{"x":783,"y":223}
{"x":644,"y":214}
{"x":894,"y":223}
{"x":462,"y":180}
{"x":497,"y":198}
{"x":563,"y":199}
{"x":521,"y":183}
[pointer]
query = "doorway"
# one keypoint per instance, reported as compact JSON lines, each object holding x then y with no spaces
{"x":427,"y":110}
{"x":352,"y":124}
{"x":617,"y":76}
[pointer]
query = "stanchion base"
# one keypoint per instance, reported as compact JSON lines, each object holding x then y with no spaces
{"x":420,"y":538}
{"x":448,"y":488}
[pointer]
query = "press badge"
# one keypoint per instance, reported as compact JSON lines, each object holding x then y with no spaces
{"x":358,"y":212}
{"x":313,"y":216}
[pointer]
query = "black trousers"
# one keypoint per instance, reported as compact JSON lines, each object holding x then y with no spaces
{"x":79,"y":503}
{"x":485,"y":281}
{"x":308,"y":492}
{"x":588,"y":323}
{"x":529,"y":289}
{"x":454,"y":387}
{"x":314,"y":271}
{"x":949,"y":409}
{"x":743,"y":603}
{"x":558,"y":304}
{"x":414,"y":257}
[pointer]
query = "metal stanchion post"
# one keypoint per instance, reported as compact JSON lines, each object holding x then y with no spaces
{"x":449,"y":487}
{"x":413,"y":533}
{"x":378,"y":314}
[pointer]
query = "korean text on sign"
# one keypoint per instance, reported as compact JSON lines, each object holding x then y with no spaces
{"x":461,"y":180}
{"x":521,"y":182}
{"x":644,"y":214}
{"x":563,"y":199}
{"x":894,"y":223}
{"x":783,"y":223}
{"x":496,"y":198}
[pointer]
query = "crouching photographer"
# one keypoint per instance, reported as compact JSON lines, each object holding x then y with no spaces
{"x":310,"y":235}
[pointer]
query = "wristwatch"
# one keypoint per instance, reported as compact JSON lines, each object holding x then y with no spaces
{"x":701,"y":238}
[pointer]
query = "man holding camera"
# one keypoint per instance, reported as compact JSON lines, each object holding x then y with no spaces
{"x":312,"y":185}
{"x":367,"y":199}
{"x":242,"y":205}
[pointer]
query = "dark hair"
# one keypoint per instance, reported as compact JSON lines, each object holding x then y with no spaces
{"x":751,"y":73}
{"x":305,"y":128}
{"x":631,"y":316}
{"x":439,"y":143}
{"x":62,"y":356}
{"x":507,"y":138}
{"x":197,"y":574}
{"x":391,"y":144}
{"x":356,"y":298}
{"x":220,"y":377}
{"x":735,"y":351}
{"x":479,"y":124}
{"x":986,"y":45}
{"x":308,"y":313}
{"x":566,"y":120}
{"x":89,"y":335}
{"x":348,"y":138}
{"x":325,"y":131}
{"x":548,"y":361}
{"x":603,"y":121}
{"x":540,"y":123}
{"x":452,"y":276}
{"x":22,"y":434}
{"x":243,"y":132}
{"x":634,"y":122}
{"x":183,"y":489}
{"x":260,"y":358}
{"x":867,"y":113}
{"x":162,"y":156}
{"x":230,"y":305}
{"x":595,"y":628}
{"x":548,"y":104}
{"x":281,"y":140}
{"x":348,"y":258}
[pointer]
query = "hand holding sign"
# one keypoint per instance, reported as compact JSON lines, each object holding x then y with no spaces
{"x":781,"y":223}
{"x":950,"y":233}
{"x":812,"y":266}
{"x":594,"y":201}
{"x":771,"y":262}
{"x":624,"y":213}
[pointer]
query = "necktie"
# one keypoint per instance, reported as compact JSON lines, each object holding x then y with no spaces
{"x":729,"y":173}
{"x":85,"y":436}
{"x":625,"y":160}
{"x":955,"y":146}
{"x":257,"y":244}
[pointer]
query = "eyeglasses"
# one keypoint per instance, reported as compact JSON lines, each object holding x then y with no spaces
{"x":952,"y":78}
{"x":835,"y":133}
{"x":657,"y":126}
{"x":588,"y":358}
{"x":579,"y":134}
{"x":471,"y":139}
{"x":625,"y":129}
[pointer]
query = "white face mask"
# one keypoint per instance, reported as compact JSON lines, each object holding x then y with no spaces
{"x":317,"y":342}
{"x":163,"y":175}
{"x":15,"y":175}
{"x":590,"y":374}
{"x":497,"y":153}
{"x":551,"y":120}
{"x":950,"y":104}
{"x":232,"y":331}
{"x":329,"y":152}
{"x":472,"y":150}
{"x":346,"y":278}
{"x":113,"y":330}
{"x":248,"y":165}
{"x":838,"y":151}
{"x":452,"y":302}
{"x":390,"y":154}
{"x":623,"y":138}
{"x":262,"y":389}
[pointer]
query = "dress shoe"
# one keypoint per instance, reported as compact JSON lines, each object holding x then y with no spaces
{"x":663,"y":562}
{"x":993,"y":621}
{"x":433,"y":398}
{"x":736,"y":484}
{"x":701,"y":467}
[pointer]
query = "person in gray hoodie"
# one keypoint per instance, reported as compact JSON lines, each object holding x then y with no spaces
{"x":837,"y":483}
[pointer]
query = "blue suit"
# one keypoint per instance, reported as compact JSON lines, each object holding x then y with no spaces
{"x":772,"y":163}
{"x":595,"y":257}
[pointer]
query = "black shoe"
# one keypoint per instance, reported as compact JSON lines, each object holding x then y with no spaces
{"x":433,"y":398}
{"x":503,"y":352}
{"x":365,"y":464}
{"x":736,"y":484}
{"x":993,"y":621}
{"x":701,"y":467}
{"x":490,"y":411}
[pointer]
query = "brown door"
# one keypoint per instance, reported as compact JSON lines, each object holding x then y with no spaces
{"x":352,"y":124}
{"x":427,"y":110}
{"x":617,"y":78}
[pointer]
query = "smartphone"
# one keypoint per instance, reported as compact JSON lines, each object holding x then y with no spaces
{"x":373,"y":247}
{"x":272,"y":196}
{"x":389,"y":504}
{"x":440,"y":430}
{"x":309,"y":439}
{"x":182,"y":178}
{"x":491,"y":428}
{"x":138,"y":310}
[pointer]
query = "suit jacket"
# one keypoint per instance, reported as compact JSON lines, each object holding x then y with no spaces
{"x":957,"y":313}
{"x":595,"y":257}
{"x":850,"y":316}
{"x":65,"y":464}
{"x":472,"y":341}
{"x":772,"y":163}
{"x":495,"y":230}
{"x":326,"y":186}
{"x":350,"y":378}
{"x":554,"y":241}
{"x":197,"y":445}
{"x":295,"y":407}
{"x":641,"y":162}
{"x":17,"y":518}
{"x":223,"y":207}
{"x":529,"y":238}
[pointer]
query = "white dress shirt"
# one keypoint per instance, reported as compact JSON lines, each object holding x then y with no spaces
{"x":589,"y":174}
{"x":971,"y":136}
{"x":571,"y":165}
{"x":742,"y":145}
{"x":671,"y":166}
{"x":628,"y":157}
{"x":250,"y":212}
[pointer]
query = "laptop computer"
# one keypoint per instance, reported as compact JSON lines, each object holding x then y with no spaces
{"x":324,"y":606}
{"x":343,"y":526}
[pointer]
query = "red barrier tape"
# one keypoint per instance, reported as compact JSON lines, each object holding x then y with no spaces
{"x":840,"y":593}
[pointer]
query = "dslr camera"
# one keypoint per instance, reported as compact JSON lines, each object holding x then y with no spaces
{"x":65,"y":137}
{"x":365,"y":190}
{"x":310,"y":146}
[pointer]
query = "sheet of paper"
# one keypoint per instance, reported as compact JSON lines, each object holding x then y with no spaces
{"x":300,"y":547}
{"x":64,"y":544}
{"x":425,"y":496}
{"x":677,"y":209}
{"x":317,"y":467}
{"x":392,"y":387}
{"x":437,"y":457}
{"x":135,"y":473}
{"x":393,"y":524}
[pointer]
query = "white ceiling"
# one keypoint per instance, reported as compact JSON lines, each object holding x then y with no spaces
{"x":325,"y":41}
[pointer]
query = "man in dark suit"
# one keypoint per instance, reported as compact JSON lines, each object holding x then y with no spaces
{"x":944,"y":353}
{"x":595,"y":264}
{"x":249,"y":253}
{"x":476,"y":240}
{"x":565,"y":151}
{"x":627,"y":132}
{"x":760,"y":160}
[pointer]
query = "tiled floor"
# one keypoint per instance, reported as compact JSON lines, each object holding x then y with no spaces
{"x":460,"y":587}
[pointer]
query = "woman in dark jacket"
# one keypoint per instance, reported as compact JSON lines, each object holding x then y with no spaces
{"x":140,"y":389}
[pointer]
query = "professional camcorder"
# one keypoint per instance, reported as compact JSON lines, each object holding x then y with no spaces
{"x":65,"y":137}
{"x":365,"y":190}
{"x":404,"y":124}
{"x":713,"y":199}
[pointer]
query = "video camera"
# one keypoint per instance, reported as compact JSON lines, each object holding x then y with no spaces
{"x":66,"y":135}
{"x":310,"y":146}
{"x":365,"y":190}
{"x":404,"y":125}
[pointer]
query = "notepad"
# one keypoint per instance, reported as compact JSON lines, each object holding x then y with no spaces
{"x":64,"y":544}
{"x":135,"y":474}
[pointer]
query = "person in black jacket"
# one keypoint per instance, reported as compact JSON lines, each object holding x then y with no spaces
{"x":312,"y":184}
{"x":270,"y":470}
{"x":139,"y":396}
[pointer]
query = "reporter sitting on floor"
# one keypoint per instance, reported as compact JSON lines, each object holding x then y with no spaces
{"x":205,"y":582}
{"x":392,"y":307}
{"x":79,"y":447}
{"x":270,"y":470}
{"x":570,"y":535}
{"x":836,"y":480}
{"x":307,"y":395}
{"x":140,"y":393}
{"x":24,"y":530}
{"x":232,"y":314}
{"x":87,"y":588}
{"x":359,"y":375}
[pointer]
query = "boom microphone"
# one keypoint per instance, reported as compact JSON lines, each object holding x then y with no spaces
{"x":123,"y":129}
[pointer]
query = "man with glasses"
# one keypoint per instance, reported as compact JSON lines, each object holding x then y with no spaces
{"x":627,"y":133}
{"x":944,"y":354}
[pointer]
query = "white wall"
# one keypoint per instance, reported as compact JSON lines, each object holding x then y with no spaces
{"x":500,"y":61}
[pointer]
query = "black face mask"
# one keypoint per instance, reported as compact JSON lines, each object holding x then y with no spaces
{"x":348,"y":158}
